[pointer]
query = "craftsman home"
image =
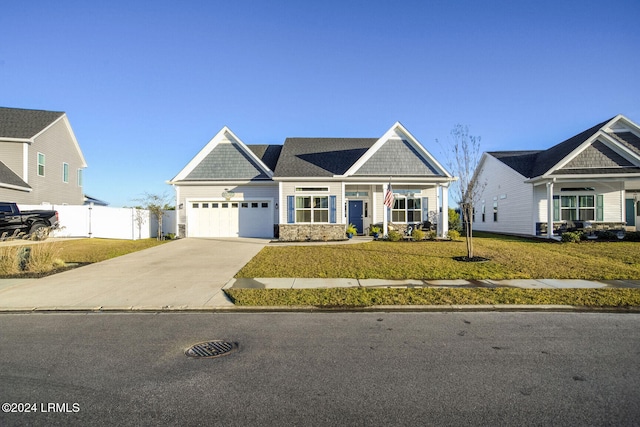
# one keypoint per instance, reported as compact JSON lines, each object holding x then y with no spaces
{"x":590,"y":181}
{"x":309,"y":188}
{"x":40,"y":159}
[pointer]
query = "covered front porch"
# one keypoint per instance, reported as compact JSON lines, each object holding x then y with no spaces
{"x":593,"y":206}
{"x":414,"y":205}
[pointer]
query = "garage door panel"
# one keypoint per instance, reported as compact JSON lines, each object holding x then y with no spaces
{"x":256,"y":219}
{"x":230,"y":219}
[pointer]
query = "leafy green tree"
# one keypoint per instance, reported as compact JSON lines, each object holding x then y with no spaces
{"x":454,"y":220}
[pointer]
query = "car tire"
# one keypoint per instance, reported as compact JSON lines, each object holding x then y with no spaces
{"x":39,"y":232}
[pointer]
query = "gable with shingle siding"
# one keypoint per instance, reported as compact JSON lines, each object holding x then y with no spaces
{"x":396,"y":157}
{"x":226,"y":162}
{"x":597,"y":155}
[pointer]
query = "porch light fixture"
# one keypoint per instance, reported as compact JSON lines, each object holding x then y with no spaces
{"x":228,"y":194}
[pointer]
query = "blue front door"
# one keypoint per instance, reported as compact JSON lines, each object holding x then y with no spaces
{"x":631,"y":212}
{"x":355,"y":214}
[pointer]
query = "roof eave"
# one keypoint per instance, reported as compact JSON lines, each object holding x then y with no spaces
{"x":16,"y":187}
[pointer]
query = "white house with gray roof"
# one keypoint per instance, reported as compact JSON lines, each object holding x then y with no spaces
{"x":40,"y":158}
{"x":309,"y":188}
{"x":590,"y":181}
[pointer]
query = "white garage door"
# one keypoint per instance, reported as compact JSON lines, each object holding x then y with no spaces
{"x":230,"y":219}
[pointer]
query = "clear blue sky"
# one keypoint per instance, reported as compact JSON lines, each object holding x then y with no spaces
{"x":147,"y":84}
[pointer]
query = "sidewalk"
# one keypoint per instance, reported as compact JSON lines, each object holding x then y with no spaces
{"x":298,"y":283}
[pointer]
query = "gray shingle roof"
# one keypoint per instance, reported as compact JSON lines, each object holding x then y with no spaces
{"x":25,"y":124}
{"x":269,"y":154}
{"x":320,"y":157}
{"x":598,"y":159}
{"x":629,"y":140}
{"x":227,"y":162}
{"x":520,"y":161}
{"x":7,"y":176}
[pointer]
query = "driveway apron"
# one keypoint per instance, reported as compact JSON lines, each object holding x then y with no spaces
{"x":187,"y":273}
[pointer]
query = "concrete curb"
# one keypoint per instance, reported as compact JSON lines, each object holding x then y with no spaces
{"x":308,"y":309}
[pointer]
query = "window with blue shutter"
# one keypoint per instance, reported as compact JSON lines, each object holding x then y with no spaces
{"x":291,"y":210}
{"x":599,"y":207}
{"x":556,"y":208}
{"x":332,"y":209}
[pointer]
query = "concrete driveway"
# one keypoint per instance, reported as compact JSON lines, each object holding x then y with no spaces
{"x":187,"y":273}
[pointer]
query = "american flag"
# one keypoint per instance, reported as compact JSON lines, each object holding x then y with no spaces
{"x":388,"y":197}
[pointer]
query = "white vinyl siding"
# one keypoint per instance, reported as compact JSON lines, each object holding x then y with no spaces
{"x":512,"y":195}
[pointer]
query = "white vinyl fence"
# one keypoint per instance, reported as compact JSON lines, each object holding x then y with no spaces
{"x":106,"y":222}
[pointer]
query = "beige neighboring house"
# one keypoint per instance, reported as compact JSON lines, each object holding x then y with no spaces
{"x":40,"y":159}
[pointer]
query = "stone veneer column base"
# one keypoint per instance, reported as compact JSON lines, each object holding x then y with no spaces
{"x":311,"y":232}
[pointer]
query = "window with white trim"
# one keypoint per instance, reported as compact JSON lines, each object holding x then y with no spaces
{"x":41,"y":161}
{"x":65,"y":172}
{"x":406,"y":209}
{"x":80,"y":177}
{"x":577,"y":208}
{"x":312,"y":209}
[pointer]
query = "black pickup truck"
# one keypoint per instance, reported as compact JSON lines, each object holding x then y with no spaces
{"x":14,"y":223}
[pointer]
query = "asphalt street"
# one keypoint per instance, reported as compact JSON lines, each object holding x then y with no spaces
{"x":324,"y":369}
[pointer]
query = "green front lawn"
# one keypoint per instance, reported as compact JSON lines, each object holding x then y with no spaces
{"x":510,"y":258}
{"x":367,"y":297}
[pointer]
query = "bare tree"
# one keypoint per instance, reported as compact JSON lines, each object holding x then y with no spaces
{"x":156,"y":204}
{"x":463,"y":158}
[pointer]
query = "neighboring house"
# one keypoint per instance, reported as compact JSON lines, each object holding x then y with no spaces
{"x":88,"y":200}
{"x":309,"y":188}
{"x":40,"y":159}
{"x":591,"y":179}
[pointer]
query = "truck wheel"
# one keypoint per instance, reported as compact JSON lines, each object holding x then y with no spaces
{"x":39,"y":232}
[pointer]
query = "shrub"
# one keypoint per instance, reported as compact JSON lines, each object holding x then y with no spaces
{"x":607,"y":235}
{"x":454,"y":220}
{"x":571,"y":236}
{"x":43,"y":258}
{"x":632,"y":236}
{"x":374,"y":230}
{"x":417,"y":234}
{"x":453,"y":234}
{"x":394,"y":236}
{"x":10,"y":260}
{"x":431,"y":235}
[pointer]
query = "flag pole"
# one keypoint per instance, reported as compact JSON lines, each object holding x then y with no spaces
{"x":387,"y":204}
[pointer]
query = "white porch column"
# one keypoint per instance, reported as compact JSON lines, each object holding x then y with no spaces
{"x":445,"y":211}
{"x":550,"y":210}
{"x":385,"y":213}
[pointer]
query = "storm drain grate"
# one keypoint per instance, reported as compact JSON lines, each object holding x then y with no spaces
{"x":210,"y":349}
